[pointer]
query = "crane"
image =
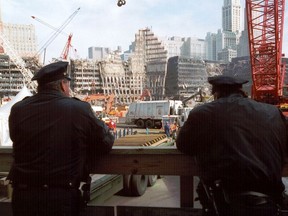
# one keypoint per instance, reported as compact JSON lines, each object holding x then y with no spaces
{"x":65,"y":52}
{"x":108,"y":100}
{"x":265,"y":20}
{"x":56,"y":33}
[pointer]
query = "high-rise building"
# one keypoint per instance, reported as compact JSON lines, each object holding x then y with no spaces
{"x":184,"y":76}
{"x":22,"y":38}
{"x":210,"y":42}
{"x":190,"y":47}
{"x":227,"y":38}
{"x":243,"y":46}
{"x":19,"y":40}
{"x":173,"y":45}
{"x":231,"y":15}
{"x":98,"y":53}
{"x":194,"y":48}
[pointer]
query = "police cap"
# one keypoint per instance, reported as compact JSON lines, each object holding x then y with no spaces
{"x":226,"y":80}
{"x":52,"y":72}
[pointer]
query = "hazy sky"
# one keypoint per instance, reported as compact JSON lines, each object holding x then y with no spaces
{"x":103,"y":23}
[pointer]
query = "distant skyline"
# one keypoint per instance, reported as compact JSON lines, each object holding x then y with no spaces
{"x":102,"y":23}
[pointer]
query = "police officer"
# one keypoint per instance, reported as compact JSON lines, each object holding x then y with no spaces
{"x":239,"y":146}
{"x":55,"y":140}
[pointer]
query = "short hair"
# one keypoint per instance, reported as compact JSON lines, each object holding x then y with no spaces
{"x":226,"y":90}
{"x":54,"y":85}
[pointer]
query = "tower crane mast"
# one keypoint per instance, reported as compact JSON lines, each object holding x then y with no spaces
{"x":265,"y":21}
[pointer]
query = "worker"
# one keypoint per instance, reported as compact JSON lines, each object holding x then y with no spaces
{"x":173,"y":129}
{"x":56,"y":139}
{"x":167,"y":129}
{"x":239,"y":146}
{"x":112,"y":127}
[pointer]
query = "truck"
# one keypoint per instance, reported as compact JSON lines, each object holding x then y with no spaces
{"x":148,"y":114}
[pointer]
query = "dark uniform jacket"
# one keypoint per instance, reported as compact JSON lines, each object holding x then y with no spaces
{"x":54,"y":137}
{"x":238,"y":140}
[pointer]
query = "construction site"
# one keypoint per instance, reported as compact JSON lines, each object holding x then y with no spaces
{"x":128,"y":81}
{"x":149,"y":83}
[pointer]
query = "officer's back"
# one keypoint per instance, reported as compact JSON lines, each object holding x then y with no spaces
{"x":239,"y":144}
{"x":55,"y":137}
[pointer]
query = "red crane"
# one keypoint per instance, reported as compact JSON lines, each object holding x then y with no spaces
{"x":66,"y":49}
{"x":265,"y":19}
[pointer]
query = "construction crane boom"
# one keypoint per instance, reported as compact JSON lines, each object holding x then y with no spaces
{"x":65,"y":52}
{"x":265,"y":20}
{"x":57,"y":30}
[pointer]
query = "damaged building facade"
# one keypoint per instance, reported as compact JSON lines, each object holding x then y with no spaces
{"x":110,"y":76}
{"x":184,"y":77}
{"x":150,"y":59}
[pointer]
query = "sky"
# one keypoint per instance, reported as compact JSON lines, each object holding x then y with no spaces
{"x":102,"y":23}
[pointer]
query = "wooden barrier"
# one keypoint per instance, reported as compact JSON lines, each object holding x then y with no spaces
{"x":141,"y":160}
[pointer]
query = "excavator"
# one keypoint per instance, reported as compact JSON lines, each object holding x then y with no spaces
{"x":107,"y":100}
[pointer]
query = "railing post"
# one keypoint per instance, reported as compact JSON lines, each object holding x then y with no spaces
{"x":186,"y":191}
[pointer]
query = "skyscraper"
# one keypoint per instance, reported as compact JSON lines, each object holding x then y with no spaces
{"x":231,"y":15}
{"x":22,"y":38}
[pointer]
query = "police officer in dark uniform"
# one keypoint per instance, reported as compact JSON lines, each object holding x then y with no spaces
{"x":239,"y":146}
{"x":55,"y":138}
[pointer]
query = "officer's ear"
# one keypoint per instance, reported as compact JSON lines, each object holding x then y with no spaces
{"x":62,"y":85}
{"x":65,"y":87}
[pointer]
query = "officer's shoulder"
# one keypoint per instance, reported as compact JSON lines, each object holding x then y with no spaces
{"x":26,"y":97}
{"x":78,"y":101}
{"x":75,"y":98}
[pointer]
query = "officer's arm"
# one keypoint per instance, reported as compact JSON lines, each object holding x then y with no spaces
{"x":101,"y":140}
{"x":192,"y":133}
{"x":12,"y":123}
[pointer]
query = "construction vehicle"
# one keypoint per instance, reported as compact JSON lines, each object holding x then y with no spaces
{"x":265,"y":21}
{"x":149,"y":114}
{"x":105,"y":100}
